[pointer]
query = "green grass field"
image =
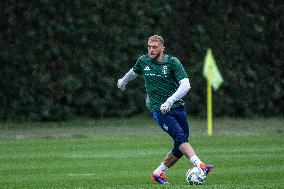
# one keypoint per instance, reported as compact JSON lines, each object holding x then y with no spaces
{"x":122,"y":153}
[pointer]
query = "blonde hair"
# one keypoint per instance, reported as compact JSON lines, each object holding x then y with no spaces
{"x":156,"y":38}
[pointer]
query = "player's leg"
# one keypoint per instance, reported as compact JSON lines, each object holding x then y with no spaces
{"x":185,"y":147}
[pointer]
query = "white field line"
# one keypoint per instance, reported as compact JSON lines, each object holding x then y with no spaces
{"x":80,"y":174}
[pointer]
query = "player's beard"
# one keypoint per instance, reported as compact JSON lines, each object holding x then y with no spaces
{"x":155,"y":57}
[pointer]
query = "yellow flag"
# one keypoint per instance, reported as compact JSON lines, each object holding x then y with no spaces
{"x":211,"y":72}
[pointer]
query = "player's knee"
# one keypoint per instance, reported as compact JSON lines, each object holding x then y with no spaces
{"x":180,"y":139}
{"x":176,"y":152}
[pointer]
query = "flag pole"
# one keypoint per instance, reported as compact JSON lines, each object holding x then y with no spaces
{"x":209,"y":106}
{"x":214,"y":79}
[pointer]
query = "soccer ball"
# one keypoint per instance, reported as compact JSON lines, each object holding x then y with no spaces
{"x":195,"y":176}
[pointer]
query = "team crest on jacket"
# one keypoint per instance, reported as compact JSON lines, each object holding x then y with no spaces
{"x":165,"y":70}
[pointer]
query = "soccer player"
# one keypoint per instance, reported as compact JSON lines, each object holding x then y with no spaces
{"x":166,"y":82}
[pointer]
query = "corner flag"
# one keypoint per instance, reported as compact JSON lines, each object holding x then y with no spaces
{"x":210,"y":70}
{"x":214,"y":79}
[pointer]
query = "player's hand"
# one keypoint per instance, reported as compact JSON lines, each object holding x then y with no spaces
{"x":121,"y":85}
{"x":165,"y":107}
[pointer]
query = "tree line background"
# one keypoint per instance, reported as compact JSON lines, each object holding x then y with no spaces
{"x":62,"y":59}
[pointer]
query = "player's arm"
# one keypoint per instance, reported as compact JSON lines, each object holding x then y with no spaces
{"x":183,"y":88}
{"x":130,"y":75}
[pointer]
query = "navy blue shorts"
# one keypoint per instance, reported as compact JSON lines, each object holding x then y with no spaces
{"x":175,"y":124}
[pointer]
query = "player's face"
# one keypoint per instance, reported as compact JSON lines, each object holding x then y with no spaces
{"x":155,"y":50}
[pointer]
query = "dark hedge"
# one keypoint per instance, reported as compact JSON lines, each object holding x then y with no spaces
{"x":61,"y":59}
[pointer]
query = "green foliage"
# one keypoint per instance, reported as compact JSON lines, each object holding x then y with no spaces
{"x":63,"y":58}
